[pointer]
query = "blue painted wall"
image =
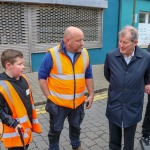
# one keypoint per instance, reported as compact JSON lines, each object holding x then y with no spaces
{"x":110,"y":33}
{"x":36,"y":59}
{"x":109,"y":37}
{"x":127,"y":11}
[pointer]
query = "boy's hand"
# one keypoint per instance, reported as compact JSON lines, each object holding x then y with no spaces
{"x":18,"y":126}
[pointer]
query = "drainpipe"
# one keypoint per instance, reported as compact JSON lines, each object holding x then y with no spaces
{"x":133,"y":16}
{"x":119,"y":16}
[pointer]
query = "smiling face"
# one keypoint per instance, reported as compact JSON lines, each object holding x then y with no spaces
{"x":128,"y":39}
{"x":126,"y":46}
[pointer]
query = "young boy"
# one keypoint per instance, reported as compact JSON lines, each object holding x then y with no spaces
{"x":17,"y":109}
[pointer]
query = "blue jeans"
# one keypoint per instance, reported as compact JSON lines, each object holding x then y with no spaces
{"x":58,"y":115}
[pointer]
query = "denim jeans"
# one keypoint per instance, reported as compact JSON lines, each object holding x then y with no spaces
{"x":58,"y":115}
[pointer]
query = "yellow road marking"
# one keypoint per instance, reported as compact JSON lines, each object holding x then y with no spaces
{"x":100,"y":96}
{"x":41,"y":110}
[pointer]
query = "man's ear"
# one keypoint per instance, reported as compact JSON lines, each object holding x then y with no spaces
{"x":135,"y":42}
{"x":7,"y":65}
{"x":67,"y":39}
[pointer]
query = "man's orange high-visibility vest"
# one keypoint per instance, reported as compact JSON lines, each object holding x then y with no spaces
{"x":10,"y":137}
{"x":66,"y":82}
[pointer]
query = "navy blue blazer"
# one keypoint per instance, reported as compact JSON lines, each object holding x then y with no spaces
{"x":126,"y":86}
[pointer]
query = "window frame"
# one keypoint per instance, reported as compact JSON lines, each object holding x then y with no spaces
{"x":147,"y":17}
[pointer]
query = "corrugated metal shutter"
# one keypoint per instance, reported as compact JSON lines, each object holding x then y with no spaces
{"x":50,"y":21}
{"x":35,"y":28}
{"x":14,"y":33}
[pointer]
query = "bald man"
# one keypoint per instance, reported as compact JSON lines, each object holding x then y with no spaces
{"x":63,"y":75}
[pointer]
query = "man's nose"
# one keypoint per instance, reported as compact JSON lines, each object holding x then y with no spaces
{"x":121,"y":44}
{"x":23,"y":67}
{"x":82,"y":42}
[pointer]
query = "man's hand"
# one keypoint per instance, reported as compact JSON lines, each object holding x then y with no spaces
{"x":147,"y":89}
{"x":88,"y":102}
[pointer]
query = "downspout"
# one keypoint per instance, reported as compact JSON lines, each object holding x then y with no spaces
{"x":133,"y":17}
{"x":119,"y":15}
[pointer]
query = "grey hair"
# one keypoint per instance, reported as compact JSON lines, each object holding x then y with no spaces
{"x":133,"y":31}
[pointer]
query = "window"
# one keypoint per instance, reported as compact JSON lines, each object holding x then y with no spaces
{"x":41,"y":26}
{"x":144,"y":17}
{"x":50,"y":21}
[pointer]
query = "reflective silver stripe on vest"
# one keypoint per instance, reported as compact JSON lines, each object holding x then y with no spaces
{"x":65,"y":96}
{"x":27,"y":129}
{"x":5,"y":86}
{"x":13,"y":134}
{"x":58,"y":61}
{"x":84,"y":58}
{"x":22,"y":119}
{"x":35,"y":121}
{"x":68,"y":77}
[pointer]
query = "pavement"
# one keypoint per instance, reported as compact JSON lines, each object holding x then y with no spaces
{"x":94,"y":128}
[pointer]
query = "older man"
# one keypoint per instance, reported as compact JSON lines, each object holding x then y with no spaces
{"x":127,"y":70}
{"x":63,"y":75}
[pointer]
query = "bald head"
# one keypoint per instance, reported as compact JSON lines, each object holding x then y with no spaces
{"x":71,"y":31}
{"x":73,"y":39}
